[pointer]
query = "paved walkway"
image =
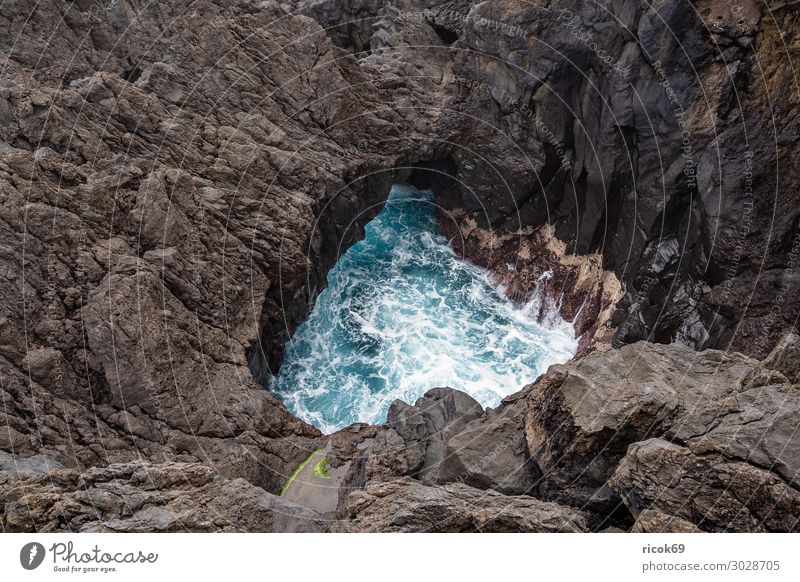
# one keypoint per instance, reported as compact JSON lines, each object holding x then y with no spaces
{"x":311,"y":488}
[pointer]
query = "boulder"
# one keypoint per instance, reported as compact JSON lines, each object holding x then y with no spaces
{"x":427,"y":426}
{"x":490,"y":453}
{"x":706,"y":489}
{"x":582,"y":417}
{"x":146,"y":497}
{"x":409,"y":506}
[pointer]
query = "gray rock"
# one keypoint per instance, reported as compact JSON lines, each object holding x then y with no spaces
{"x":785,"y":358}
{"x":181,"y":210}
{"x":758,"y":426}
{"x":651,"y":521}
{"x":12,"y":466}
{"x":491,"y":453}
{"x":409,"y":506}
{"x":708,"y":490}
{"x":427,"y":426}
{"x":583,"y":416}
{"x":142,"y":497}
{"x":413,"y":440}
{"x":93,"y":89}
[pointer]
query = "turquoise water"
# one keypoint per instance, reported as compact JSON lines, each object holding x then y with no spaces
{"x":403,"y":314}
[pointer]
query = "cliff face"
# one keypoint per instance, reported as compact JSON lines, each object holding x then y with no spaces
{"x":178,"y":178}
{"x":176,"y":182}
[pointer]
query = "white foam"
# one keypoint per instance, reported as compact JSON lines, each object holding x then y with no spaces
{"x":408,"y":315}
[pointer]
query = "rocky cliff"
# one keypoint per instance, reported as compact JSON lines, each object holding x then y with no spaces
{"x":177,"y":179}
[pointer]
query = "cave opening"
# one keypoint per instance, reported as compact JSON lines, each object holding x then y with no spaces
{"x":402,"y":313}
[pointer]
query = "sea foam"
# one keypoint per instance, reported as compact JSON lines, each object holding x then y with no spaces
{"x":403,"y":314}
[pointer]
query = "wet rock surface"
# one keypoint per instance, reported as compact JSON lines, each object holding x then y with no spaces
{"x":173,"y":196}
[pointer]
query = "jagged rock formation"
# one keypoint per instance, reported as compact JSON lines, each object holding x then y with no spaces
{"x":142,"y":497}
{"x":409,"y":506}
{"x":646,"y":438}
{"x":178,"y":177}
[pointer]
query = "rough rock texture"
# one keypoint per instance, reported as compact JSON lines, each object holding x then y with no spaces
{"x":671,"y":153}
{"x":709,"y":490}
{"x":669,"y":429}
{"x":650,"y":521}
{"x":142,"y":497}
{"x":173,"y":196}
{"x":785,"y":358}
{"x":177,"y":178}
{"x":412,"y":442}
{"x":409,"y":506}
{"x":583,"y":416}
{"x":427,"y":426}
{"x":646,"y":438}
{"x":534,"y":267}
{"x":11,"y":466}
{"x":491,"y":453}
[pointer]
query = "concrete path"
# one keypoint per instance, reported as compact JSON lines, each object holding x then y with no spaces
{"x":316,"y":485}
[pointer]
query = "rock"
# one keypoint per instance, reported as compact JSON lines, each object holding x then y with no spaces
{"x":650,"y":521}
{"x":143,"y":497}
{"x":706,"y":489}
{"x":491,"y":453}
{"x":411,"y":443}
{"x":756,"y":425}
{"x":447,"y":438}
{"x":409,"y":506}
{"x":583,"y":416}
{"x":785,"y":358}
{"x":11,"y":466}
{"x":427,"y":427}
{"x":93,"y":89}
{"x":167,"y":222}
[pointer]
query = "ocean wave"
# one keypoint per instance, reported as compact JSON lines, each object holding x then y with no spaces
{"x":403,"y":314}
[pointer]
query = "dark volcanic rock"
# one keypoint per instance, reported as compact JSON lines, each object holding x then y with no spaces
{"x":142,"y":497}
{"x":592,"y":427}
{"x":426,"y":427}
{"x":409,"y":506}
{"x":583,"y":416}
{"x":170,"y":209}
{"x":446,"y":437}
{"x":491,"y":453}
{"x":173,"y":197}
{"x":412,"y":442}
{"x":713,"y":492}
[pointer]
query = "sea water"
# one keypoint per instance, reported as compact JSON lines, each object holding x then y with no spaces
{"x":402,"y":314}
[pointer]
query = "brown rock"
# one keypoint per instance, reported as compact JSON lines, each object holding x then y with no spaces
{"x":708,"y":490}
{"x":409,"y":506}
{"x":142,"y":497}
